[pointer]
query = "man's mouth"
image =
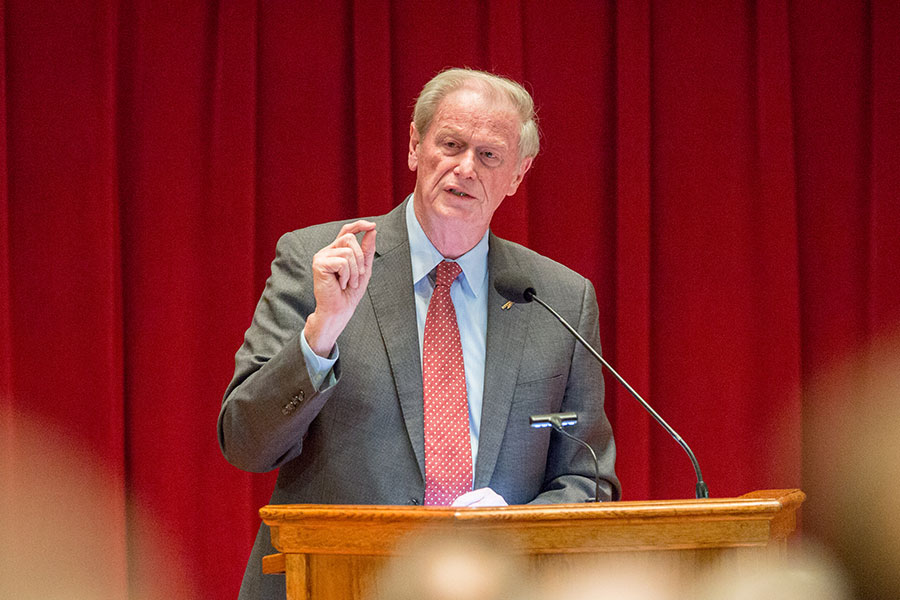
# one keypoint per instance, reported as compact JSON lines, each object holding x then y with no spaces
{"x":458,"y":193}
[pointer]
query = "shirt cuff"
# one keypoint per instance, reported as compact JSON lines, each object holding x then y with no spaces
{"x":321,"y":370}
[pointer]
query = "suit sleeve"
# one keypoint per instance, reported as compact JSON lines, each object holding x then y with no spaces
{"x":570,"y":471}
{"x":270,"y":402}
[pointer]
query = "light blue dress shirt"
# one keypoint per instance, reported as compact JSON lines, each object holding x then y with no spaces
{"x":469,"y":294}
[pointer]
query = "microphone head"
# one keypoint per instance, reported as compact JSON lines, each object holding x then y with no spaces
{"x":514,"y":287}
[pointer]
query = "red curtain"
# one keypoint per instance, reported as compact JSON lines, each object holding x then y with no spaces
{"x":724,"y":172}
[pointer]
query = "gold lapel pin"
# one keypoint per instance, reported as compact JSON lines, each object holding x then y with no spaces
{"x":508,"y":305}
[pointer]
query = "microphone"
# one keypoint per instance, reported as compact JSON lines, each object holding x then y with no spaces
{"x":514,"y":287}
{"x":553,"y":420}
{"x":559,"y":420}
{"x":517,"y":288}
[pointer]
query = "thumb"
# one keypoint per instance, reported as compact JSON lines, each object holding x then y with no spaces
{"x":368,"y":248}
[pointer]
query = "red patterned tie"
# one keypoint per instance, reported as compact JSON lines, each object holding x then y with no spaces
{"x":448,"y":452}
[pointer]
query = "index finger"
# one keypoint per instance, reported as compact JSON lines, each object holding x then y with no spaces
{"x":357,"y":227}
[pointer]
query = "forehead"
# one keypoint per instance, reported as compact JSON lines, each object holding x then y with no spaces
{"x":475,"y":113}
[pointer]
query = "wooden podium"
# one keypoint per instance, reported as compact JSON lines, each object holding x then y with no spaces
{"x":329,"y":552}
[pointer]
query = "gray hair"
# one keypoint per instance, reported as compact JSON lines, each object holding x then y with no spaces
{"x":451,"y":80}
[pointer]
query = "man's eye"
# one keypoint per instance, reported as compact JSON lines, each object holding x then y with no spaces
{"x":490,"y":157}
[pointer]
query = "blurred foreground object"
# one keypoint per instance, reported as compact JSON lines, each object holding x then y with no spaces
{"x":481,"y":568}
{"x":454,"y":567}
{"x":806,"y":574}
{"x":66,"y":528}
{"x":852,"y":459}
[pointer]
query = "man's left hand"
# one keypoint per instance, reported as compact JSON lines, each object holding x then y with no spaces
{"x":480,"y":497}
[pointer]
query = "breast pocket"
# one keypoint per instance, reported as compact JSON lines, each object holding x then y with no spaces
{"x":540,"y":395}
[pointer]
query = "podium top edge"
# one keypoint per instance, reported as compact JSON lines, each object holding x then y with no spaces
{"x":753,"y":504}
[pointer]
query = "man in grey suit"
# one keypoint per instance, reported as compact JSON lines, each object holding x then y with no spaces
{"x":328,"y":385}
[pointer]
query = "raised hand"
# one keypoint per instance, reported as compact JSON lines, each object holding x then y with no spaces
{"x":341,"y":272}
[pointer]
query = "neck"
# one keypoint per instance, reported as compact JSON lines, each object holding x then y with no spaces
{"x":452,"y":248}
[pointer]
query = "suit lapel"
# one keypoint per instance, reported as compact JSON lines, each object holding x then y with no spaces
{"x":391,"y":292}
{"x":506,"y":334}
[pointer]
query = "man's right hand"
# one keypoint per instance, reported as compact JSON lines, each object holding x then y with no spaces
{"x":341,"y":272}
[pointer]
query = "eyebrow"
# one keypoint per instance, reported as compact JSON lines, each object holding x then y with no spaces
{"x":455,"y":131}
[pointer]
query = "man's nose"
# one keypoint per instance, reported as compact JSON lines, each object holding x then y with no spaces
{"x":466,"y":166}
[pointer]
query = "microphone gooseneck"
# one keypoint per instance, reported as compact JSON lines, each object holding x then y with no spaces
{"x":559,"y":420}
{"x":518,"y":289}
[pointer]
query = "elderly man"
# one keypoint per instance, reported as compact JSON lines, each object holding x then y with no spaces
{"x":393,"y":372}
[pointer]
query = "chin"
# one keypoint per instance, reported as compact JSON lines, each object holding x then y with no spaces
{"x":448,"y":211}
{"x":463,"y":213}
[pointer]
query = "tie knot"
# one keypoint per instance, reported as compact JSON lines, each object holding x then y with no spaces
{"x":446,"y":272}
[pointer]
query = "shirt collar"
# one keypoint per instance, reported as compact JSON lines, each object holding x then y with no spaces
{"x":425,"y":257}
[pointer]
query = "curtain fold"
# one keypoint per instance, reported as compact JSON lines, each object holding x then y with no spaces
{"x":629,"y":342}
{"x":6,"y":423}
{"x":885,"y":179}
{"x":724,"y":174}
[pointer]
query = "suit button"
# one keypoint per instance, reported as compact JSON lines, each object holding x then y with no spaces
{"x":414,"y":501}
{"x":296,"y":399}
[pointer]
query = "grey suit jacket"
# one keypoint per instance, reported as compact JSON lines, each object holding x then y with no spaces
{"x":361,"y":441}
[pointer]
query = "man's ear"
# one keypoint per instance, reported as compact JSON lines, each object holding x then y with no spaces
{"x":413,"y":160}
{"x":520,"y":175}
